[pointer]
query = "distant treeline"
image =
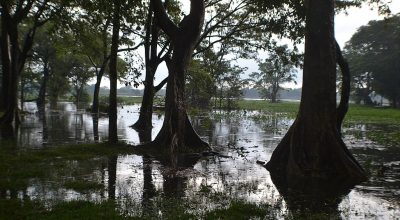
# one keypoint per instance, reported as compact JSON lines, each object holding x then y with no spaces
{"x":249,"y":93}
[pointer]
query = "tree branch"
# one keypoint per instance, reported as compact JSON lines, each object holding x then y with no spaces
{"x":163,"y":20}
{"x":159,"y":86}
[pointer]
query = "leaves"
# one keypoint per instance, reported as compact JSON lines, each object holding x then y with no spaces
{"x":374,"y":53}
{"x":277,"y":69}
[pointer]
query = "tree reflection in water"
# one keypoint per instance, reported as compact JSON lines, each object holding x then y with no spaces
{"x":311,"y":197}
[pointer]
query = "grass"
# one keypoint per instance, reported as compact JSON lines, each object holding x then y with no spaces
{"x":284,"y":107}
{"x":356,"y":113}
{"x":359,"y":113}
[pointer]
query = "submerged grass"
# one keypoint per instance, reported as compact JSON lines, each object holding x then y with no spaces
{"x":239,"y":210}
{"x":26,"y":209}
{"x":17,"y":166}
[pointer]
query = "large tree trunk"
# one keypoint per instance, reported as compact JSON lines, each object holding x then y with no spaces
{"x":177,"y":133}
{"x":112,"y":126}
{"x":313,"y":148}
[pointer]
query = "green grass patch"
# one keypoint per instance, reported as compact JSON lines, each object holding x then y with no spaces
{"x":283,"y":107}
{"x":356,"y":113}
{"x":366,"y":114}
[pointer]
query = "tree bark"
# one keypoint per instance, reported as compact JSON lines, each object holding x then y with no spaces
{"x":112,"y":126}
{"x":177,"y":132}
{"x":313,"y":148}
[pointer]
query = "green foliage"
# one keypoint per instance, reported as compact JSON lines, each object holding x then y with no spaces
{"x":199,"y":86}
{"x":277,"y":69}
{"x":227,"y":80}
{"x":373,"y":55}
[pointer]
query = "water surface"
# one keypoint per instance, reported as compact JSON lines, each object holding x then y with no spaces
{"x":145,"y":186}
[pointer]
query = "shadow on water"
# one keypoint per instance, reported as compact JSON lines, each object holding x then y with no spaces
{"x":161,"y":186}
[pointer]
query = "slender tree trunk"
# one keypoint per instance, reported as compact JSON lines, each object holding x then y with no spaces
{"x":41,"y":101}
{"x":112,"y":126}
{"x":146,"y":109}
{"x":95,"y":119}
{"x":96,"y":93}
{"x":274,"y":93}
{"x":12,"y":113}
{"x":313,"y":148}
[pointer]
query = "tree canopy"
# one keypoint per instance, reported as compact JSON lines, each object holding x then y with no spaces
{"x":374,"y":53}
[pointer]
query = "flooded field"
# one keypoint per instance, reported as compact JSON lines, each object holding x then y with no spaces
{"x":199,"y":188}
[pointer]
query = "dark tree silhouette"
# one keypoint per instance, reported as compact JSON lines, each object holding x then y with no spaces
{"x":15,"y":51}
{"x":313,"y":148}
{"x":112,"y":125}
{"x":177,"y":132}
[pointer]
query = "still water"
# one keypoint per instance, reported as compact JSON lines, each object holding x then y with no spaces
{"x":142,"y":184}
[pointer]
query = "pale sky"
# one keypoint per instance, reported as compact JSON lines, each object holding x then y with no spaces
{"x":345,"y":27}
